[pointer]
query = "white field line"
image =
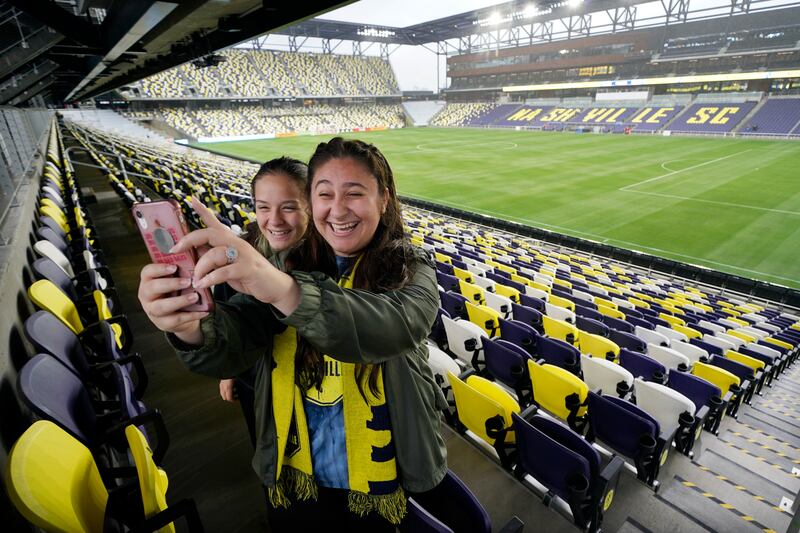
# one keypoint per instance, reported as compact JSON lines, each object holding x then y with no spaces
{"x":715,"y":202}
{"x":673,"y":172}
{"x":605,"y":239}
{"x":443,"y":146}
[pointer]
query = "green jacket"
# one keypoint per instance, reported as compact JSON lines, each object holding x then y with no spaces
{"x":352,"y":325}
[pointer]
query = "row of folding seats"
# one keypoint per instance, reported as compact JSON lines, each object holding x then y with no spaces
{"x":614,"y":360}
{"x":89,"y":461}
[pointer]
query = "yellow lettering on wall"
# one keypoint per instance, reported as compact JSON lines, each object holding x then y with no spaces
{"x":722,"y":117}
{"x":656,"y":117}
{"x":592,"y":115}
{"x":568,"y":114}
{"x":640,"y":116}
{"x":615,"y":115}
{"x":553,"y":114}
{"x":702,"y":115}
{"x":519,"y":114}
{"x":533,"y":113}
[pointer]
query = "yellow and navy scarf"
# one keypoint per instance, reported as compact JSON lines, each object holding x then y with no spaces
{"x":371,"y":463}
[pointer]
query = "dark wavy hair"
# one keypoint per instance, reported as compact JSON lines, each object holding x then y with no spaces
{"x":387,"y":262}
{"x":294,"y":169}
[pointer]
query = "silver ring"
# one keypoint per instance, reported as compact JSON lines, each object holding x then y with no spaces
{"x":231,"y":254}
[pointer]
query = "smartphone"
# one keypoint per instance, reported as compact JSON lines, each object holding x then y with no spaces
{"x":162,"y":225}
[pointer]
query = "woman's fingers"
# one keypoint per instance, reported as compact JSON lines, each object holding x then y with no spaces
{"x":213,"y":259}
{"x":216,"y":276}
{"x":206,"y":215}
{"x":157,"y":287}
{"x":157,"y":270}
{"x":164,"y":307}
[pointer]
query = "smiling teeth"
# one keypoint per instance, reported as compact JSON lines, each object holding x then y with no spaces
{"x":344,"y":227}
{"x":279,"y":233}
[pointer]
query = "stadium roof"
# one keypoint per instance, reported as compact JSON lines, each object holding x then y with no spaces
{"x":75,"y":49}
{"x":502,"y":15}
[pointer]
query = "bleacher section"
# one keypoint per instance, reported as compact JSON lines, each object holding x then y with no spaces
{"x":269,"y":73}
{"x":711,"y":117}
{"x":461,"y":114}
{"x":723,"y":115}
{"x":257,"y":120}
{"x":778,"y":116}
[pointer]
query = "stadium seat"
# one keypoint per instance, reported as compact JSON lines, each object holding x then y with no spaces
{"x":568,"y":467}
{"x":603,"y":376}
{"x":671,"y":409}
{"x":630,"y":431}
{"x":559,"y":392}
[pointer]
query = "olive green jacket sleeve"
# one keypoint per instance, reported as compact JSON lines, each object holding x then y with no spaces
{"x":359,"y":326}
{"x":235,"y":336}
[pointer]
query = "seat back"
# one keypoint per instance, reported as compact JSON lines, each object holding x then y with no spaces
{"x":662,"y":403}
{"x":552,"y":385}
{"x":506,"y":361}
{"x":478,"y":400}
{"x":739,"y":370}
{"x":48,"y":334}
{"x":441,"y":364}
{"x":559,"y":329}
{"x":718,"y":376}
{"x":49,"y":297}
{"x":45,"y":268}
{"x":484,"y":317}
{"x":53,"y":481}
{"x":628,"y":340}
{"x":153,"y":481}
{"x":528,"y":315}
{"x":453,"y":303}
{"x":668,"y":357}
{"x":641,"y":365}
{"x":520,"y":334}
{"x":620,"y":424}
{"x":692,"y":352}
{"x":752,"y":362}
{"x":52,"y":391}
{"x":450,"y":507}
{"x":555,"y":455}
{"x":460,"y":335}
{"x":698,"y":390}
{"x":48,"y":249}
{"x":589,"y":325}
{"x":598,"y":346}
{"x":600,"y":374}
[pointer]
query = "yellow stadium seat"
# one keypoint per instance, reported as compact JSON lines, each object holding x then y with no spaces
{"x":462,"y":274}
{"x":752,"y":362}
{"x":598,"y":346}
{"x":440,"y":256}
{"x":613,"y":313}
{"x":153,"y":481}
{"x":471,"y":292}
{"x":485,"y":317}
{"x":689,"y":332}
{"x":478,"y":400}
{"x":744,"y":336}
{"x":509,"y":292}
{"x":562,"y":302}
{"x":552,"y":385}
{"x":562,"y":283}
{"x":718,"y":376}
{"x":739,"y":321}
{"x":53,"y":481}
{"x":673,"y":320}
{"x":559,"y":329}
{"x":49,"y":297}
{"x":603,"y":301}
{"x":778,"y":342}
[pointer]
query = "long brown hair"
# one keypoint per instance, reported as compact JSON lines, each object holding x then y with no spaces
{"x":387,"y":262}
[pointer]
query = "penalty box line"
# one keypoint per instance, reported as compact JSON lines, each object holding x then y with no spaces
{"x":673,"y":172}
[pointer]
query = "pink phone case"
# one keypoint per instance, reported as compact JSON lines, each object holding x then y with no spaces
{"x":162,"y":224}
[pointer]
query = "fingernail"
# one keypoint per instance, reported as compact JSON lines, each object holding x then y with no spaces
{"x":185,"y":282}
{"x":172,"y":268}
{"x":201,"y":284}
{"x":172,"y":250}
{"x":194,"y":296}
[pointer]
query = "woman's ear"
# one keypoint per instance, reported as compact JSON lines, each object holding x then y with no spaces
{"x":385,"y":201}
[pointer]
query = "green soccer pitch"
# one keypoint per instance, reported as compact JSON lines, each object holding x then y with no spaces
{"x":729,"y":204}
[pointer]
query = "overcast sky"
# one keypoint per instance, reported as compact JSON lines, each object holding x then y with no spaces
{"x":415,"y":66}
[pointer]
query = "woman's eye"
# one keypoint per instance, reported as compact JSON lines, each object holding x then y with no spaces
{"x":324,"y":194}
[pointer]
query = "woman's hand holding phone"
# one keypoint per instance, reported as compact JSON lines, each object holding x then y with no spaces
{"x":158,"y":288}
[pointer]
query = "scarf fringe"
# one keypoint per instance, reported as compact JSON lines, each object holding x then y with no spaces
{"x":392,"y":506}
{"x":293,"y":483}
